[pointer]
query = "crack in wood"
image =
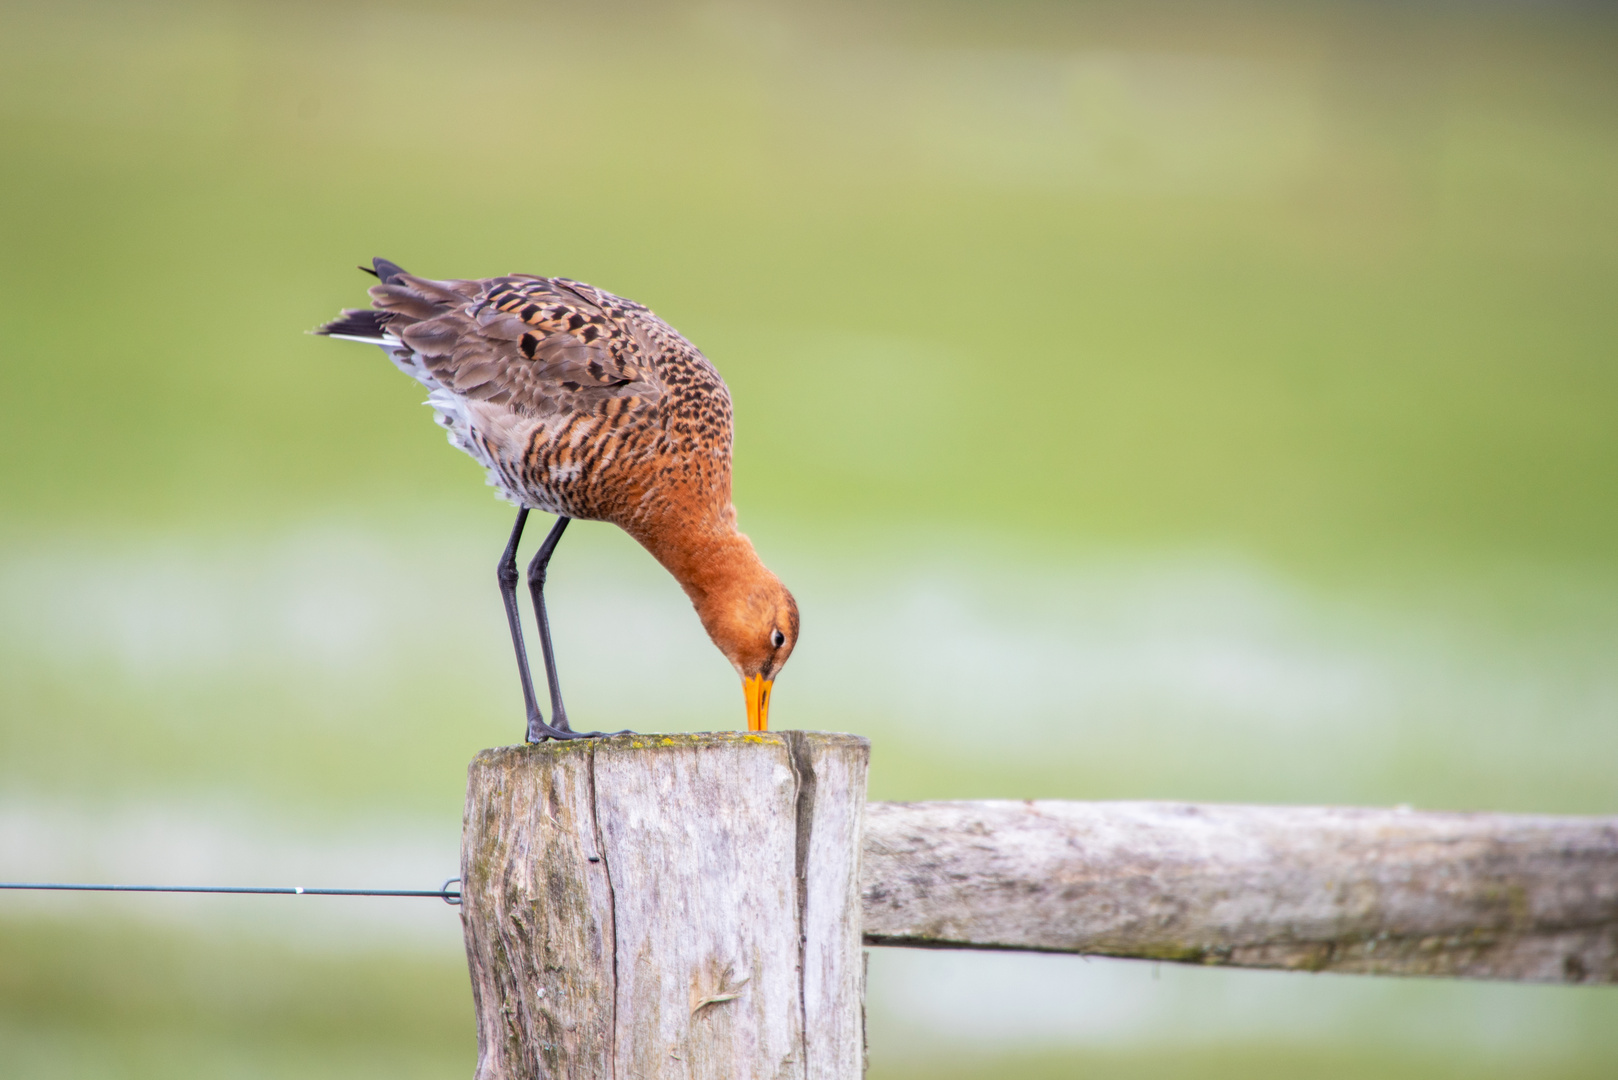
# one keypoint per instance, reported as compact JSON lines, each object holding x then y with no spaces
{"x":803,"y":771}
{"x":600,"y":859}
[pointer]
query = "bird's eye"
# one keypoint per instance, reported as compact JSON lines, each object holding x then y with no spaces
{"x":777,"y":638}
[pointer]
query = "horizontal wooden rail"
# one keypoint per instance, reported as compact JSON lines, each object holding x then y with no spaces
{"x":1387,"y":892}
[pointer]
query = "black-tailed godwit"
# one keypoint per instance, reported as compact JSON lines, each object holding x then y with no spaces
{"x":585,"y":405}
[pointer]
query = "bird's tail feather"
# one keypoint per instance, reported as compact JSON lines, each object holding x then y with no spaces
{"x":368,"y":324}
{"x":388,"y":272}
{"x":401,"y":299}
{"x":365,"y":324}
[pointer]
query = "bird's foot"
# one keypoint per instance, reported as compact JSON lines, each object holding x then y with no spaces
{"x":539,"y":730}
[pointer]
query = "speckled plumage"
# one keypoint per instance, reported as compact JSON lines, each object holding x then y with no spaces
{"x":577,"y":402}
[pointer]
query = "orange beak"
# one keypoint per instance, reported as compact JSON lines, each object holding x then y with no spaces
{"x":757,"y":688}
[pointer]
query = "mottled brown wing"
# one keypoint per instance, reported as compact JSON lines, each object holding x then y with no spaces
{"x":535,"y":345}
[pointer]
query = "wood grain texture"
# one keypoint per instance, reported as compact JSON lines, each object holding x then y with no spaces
{"x":679,"y":906}
{"x":1494,"y":896}
{"x":831,"y":824}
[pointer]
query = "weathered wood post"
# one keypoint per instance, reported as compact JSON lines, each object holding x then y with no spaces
{"x":667,"y":906}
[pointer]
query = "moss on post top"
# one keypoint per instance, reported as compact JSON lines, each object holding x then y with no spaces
{"x":504,"y":756}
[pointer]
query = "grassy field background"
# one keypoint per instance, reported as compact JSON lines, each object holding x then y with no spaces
{"x":1153,"y":400}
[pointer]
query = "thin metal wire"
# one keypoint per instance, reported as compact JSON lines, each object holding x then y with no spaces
{"x":443,"y":892}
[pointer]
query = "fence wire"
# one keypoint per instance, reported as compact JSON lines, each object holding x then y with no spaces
{"x":443,"y":892}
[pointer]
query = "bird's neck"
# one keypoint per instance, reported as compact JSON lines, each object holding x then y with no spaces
{"x":710,"y":559}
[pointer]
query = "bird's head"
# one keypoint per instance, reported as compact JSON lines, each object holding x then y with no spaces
{"x":755,"y":624}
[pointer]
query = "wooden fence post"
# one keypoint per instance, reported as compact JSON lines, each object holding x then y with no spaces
{"x":651,"y":906}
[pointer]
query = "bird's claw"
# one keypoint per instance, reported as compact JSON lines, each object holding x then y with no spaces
{"x":539,"y":731}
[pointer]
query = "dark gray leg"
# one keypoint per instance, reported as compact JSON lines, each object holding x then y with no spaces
{"x":536,"y":589}
{"x":506,"y":571}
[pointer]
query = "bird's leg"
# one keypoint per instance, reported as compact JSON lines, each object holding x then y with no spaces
{"x":536,"y":588}
{"x":558,"y":727}
{"x":506,"y":572}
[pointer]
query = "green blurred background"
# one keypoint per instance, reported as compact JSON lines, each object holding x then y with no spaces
{"x":1146,"y":400}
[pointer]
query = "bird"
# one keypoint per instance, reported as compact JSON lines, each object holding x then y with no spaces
{"x":585,"y":405}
